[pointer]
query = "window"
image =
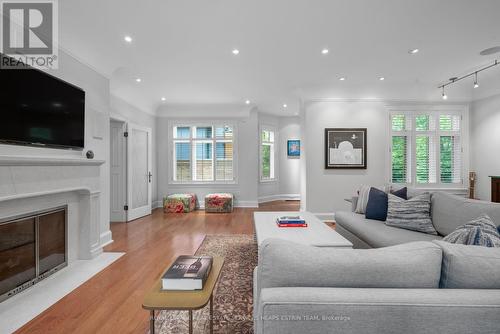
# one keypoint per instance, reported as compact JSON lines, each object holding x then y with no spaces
{"x":426,"y":148}
{"x":267,"y":155}
{"x":203,"y":153}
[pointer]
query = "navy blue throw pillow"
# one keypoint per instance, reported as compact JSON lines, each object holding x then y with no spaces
{"x":401,"y":193}
{"x":377,"y":205}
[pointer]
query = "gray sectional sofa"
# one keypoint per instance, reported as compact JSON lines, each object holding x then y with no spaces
{"x":447,"y":211}
{"x":406,"y":282}
{"x":414,"y":288}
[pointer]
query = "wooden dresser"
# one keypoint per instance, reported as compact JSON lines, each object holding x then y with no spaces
{"x":495,"y":189}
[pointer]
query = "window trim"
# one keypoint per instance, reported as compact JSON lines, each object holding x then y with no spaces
{"x":275,"y":155}
{"x":414,"y":110}
{"x":201,"y":123}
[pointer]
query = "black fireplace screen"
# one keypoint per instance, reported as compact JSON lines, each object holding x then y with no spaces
{"x":31,"y":248}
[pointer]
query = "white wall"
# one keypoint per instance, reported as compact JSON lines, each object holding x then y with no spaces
{"x":96,"y":88}
{"x":289,"y":182}
{"x":485,"y":143}
{"x":327,"y":189}
{"x":246,"y":186}
{"x":124,"y":111}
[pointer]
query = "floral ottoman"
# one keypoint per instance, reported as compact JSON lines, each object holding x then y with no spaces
{"x":178,"y":203}
{"x":219,"y":203}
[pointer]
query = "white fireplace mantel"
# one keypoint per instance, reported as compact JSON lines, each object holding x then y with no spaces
{"x":13,"y":160}
{"x":31,"y":183}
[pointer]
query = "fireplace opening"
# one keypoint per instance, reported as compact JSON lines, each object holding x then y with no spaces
{"x":32,"y":247}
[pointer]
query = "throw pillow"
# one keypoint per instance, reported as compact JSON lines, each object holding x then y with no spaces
{"x":378,"y":201}
{"x":479,"y":232}
{"x":413,"y":214}
{"x":363,"y":196}
{"x":401,"y":193}
{"x":377,"y":205}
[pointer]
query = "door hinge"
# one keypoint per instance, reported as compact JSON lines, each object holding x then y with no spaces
{"x":125,"y":134}
{"x":125,"y":207}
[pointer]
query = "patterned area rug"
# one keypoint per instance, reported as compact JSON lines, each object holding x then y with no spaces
{"x":233,"y":293}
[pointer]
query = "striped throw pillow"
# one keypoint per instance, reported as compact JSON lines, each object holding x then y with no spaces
{"x":413,"y":214}
{"x":479,"y":232}
{"x":364,"y":195}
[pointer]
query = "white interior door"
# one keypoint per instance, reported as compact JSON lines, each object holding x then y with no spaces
{"x":118,"y":172}
{"x":139,"y":176}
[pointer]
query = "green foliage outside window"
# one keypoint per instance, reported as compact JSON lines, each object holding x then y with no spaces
{"x":399,"y":159}
{"x":422,"y":159}
{"x":447,"y":145}
{"x":266,"y":161}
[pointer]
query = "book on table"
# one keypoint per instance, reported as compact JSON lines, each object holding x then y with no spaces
{"x":291,"y":221}
{"x":187,"y":273}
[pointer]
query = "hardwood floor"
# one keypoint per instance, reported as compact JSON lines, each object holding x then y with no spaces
{"x":111,"y":301}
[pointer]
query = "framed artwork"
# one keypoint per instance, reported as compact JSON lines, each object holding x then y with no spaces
{"x":345,"y":148}
{"x":293,"y":148}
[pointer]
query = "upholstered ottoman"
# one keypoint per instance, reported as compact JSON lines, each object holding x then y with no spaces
{"x":178,"y":203}
{"x":219,"y":203}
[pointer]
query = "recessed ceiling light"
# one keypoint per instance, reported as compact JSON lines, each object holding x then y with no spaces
{"x":324,"y":51}
{"x":128,"y":39}
{"x":138,"y":80}
{"x":413,"y":51}
{"x":247,"y":102}
{"x":342,"y":78}
{"x":285,"y":106}
{"x":381,"y":78}
{"x":236,"y":52}
{"x":164,"y":99}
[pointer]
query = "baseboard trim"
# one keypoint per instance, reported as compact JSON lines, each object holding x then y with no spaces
{"x":106,"y":238}
{"x":156,"y":205}
{"x":280,"y":197}
{"x":246,"y":204}
{"x":237,"y":204}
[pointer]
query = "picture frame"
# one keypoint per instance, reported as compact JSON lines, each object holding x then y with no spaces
{"x":345,"y":148}
{"x":293,"y":148}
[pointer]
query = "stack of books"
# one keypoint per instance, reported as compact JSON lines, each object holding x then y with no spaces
{"x":187,"y":273}
{"x":291,"y":221}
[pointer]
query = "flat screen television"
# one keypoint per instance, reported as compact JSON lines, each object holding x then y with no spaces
{"x":38,"y":109}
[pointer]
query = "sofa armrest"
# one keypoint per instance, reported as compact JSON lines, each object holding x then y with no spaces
{"x":287,"y":264}
{"x":360,"y":311}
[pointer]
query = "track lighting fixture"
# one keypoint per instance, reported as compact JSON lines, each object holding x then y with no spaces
{"x":456,"y":79}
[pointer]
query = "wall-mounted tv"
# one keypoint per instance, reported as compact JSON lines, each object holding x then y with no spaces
{"x":40,"y":110}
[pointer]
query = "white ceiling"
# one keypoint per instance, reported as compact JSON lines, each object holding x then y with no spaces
{"x":182,"y":49}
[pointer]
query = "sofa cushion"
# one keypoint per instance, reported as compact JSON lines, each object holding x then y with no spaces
{"x":479,"y":232}
{"x":469,"y":267}
{"x":413,"y":214}
{"x":377,"y":205}
{"x":450,"y":211}
{"x":376,"y":233}
{"x":284,"y":263}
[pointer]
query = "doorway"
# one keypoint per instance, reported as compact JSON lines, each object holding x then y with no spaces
{"x":130,"y":171}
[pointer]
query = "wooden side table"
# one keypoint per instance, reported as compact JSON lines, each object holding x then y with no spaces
{"x":157,"y":299}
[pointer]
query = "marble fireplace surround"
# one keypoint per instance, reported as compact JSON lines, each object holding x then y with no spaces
{"x":29,"y":184}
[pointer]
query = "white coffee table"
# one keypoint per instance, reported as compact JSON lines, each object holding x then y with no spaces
{"x":316,"y":233}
